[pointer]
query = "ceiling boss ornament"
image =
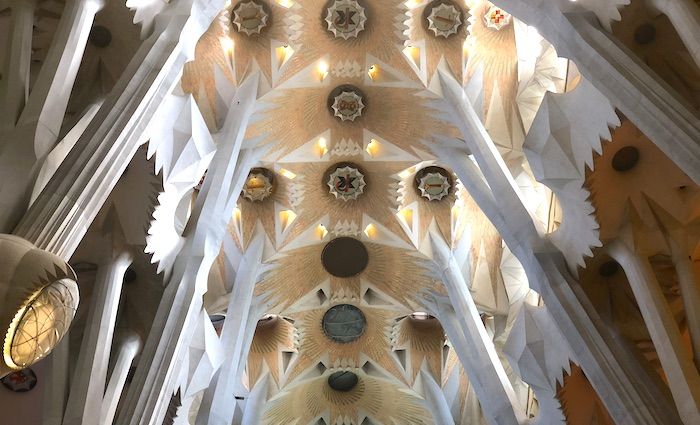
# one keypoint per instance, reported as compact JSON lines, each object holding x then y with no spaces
{"x":346,"y":183}
{"x":347,"y":102}
{"x":433,"y":183}
{"x":250,"y":17}
{"x":258,"y":185}
{"x":497,"y":18}
{"x":345,"y":18}
{"x":444,"y":19}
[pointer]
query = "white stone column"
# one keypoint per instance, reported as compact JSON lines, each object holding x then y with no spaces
{"x":688,"y":283}
{"x":435,"y":399}
{"x":56,"y":388}
{"x":33,"y":128}
{"x":181,"y":304}
{"x":685,"y":17}
{"x":618,"y":75}
{"x":14,"y":87}
{"x":62,"y":213}
{"x":631,"y":395}
{"x":462,"y":323}
{"x":88,"y":384}
{"x":129,"y":346}
{"x":218,"y":404}
{"x":681,"y":374}
{"x":255,"y":404}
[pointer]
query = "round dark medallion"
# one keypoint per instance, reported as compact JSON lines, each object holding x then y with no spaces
{"x":100,"y":36}
{"x":644,"y":34}
{"x":344,"y":257}
{"x":347,"y":102}
{"x":343,"y":381}
{"x":433,"y":183}
{"x":625,"y":159}
{"x":609,"y":268}
{"x":344,"y":323}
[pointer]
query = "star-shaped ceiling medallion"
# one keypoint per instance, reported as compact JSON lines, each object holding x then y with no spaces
{"x":434,"y":184}
{"x":348,"y":103}
{"x":250,"y":17}
{"x":346,"y":182}
{"x":444,"y":19}
{"x":258,"y":186}
{"x":346,"y":18}
{"x":496,"y":18}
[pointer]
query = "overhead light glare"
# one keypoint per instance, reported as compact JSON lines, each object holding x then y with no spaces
{"x":286,"y":173}
{"x":322,"y":69}
{"x":285,"y":3}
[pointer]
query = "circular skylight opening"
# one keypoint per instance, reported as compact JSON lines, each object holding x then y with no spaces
{"x":345,"y":257}
{"x":344,"y":323}
{"x":343,"y":381}
{"x":625,"y":159}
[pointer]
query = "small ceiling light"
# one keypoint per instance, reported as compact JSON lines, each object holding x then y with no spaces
{"x":287,"y":174}
{"x":420,"y":315}
{"x":371,"y":231}
{"x":372,"y":147}
{"x":322,"y":69}
{"x":283,"y":54}
{"x":373,"y":72}
{"x":321,"y":231}
{"x":322,"y":145}
{"x":285,"y":3}
{"x":287,"y":217}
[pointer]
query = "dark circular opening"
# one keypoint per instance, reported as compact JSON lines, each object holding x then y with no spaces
{"x":130,"y":275}
{"x":345,"y":257}
{"x":344,"y":323}
{"x":625,"y":159}
{"x":100,"y":36}
{"x":342,"y":381}
{"x":644,"y":34}
{"x":609,"y":268}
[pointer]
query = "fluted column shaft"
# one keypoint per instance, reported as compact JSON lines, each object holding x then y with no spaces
{"x":88,"y":385}
{"x":129,"y":347}
{"x":681,"y":374}
{"x":436,"y":401}
{"x":218,"y":404}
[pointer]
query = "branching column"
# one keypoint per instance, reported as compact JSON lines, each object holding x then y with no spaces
{"x":88,"y":384}
{"x":435,"y":398}
{"x":681,"y":374}
{"x":631,"y":396}
{"x":30,"y":129}
{"x":62,"y":213}
{"x":462,"y":323}
{"x":181,"y":304}
{"x":685,"y":16}
{"x":218,"y":404}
